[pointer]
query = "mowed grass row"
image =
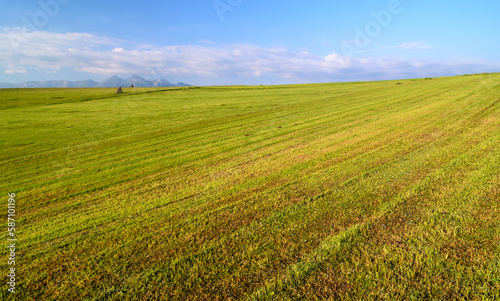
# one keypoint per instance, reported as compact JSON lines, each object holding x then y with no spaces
{"x":310,"y":191}
{"x":125,"y":154}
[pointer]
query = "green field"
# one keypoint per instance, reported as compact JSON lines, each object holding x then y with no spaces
{"x":362,"y":191}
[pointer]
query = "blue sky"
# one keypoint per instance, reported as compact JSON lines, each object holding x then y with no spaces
{"x":213,"y":42}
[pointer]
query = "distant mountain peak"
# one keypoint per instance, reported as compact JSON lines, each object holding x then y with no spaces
{"x":135,"y":76}
{"x":112,"y":82}
{"x":159,"y":81}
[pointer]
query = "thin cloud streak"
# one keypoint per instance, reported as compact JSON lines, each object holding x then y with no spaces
{"x":409,"y":46}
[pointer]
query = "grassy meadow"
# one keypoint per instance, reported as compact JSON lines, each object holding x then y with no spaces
{"x":352,"y":191}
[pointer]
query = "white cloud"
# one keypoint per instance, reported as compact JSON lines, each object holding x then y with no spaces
{"x":14,"y":71}
{"x":83,"y":52}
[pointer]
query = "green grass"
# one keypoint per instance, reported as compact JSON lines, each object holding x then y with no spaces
{"x":359,"y":191}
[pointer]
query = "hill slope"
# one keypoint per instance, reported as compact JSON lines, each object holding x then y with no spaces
{"x":351,"y":190}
